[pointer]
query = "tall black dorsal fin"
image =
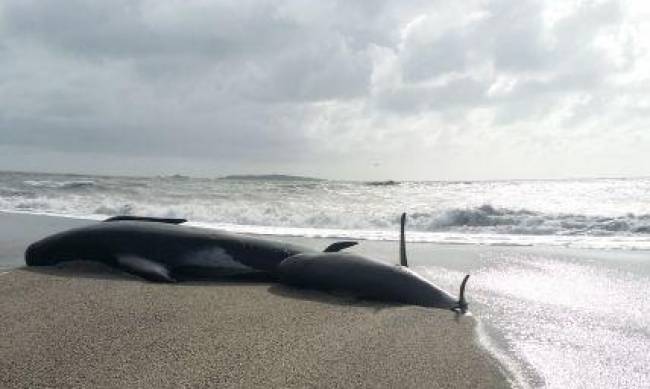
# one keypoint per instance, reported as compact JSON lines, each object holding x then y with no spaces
{"x":338,"y":246}
{"x":462,"y":303}
{"x":145,"y":219}
{"x":402,"y":242}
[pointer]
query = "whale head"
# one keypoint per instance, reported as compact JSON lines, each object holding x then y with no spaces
{"x":53,"y":249}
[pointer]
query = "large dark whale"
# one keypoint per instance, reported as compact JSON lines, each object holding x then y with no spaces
{"x":162,"y":250}
{"x":369,"y":278}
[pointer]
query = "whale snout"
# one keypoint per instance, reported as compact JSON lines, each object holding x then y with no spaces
{"x":33,"y":255}
{"x":42,"y":253}
{"x":30,"y":255}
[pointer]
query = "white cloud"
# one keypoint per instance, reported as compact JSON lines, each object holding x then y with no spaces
{"x":476,"y":89}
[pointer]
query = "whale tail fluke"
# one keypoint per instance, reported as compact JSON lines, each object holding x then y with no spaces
{"x":402,"y":242}
{"x":461,"y":305}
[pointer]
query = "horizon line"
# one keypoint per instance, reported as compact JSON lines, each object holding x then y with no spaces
{"x":223,"y":176}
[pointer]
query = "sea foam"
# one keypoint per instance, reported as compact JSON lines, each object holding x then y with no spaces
{"x":603,"y":213}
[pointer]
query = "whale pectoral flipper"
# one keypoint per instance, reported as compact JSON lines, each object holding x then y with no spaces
{"x":145,"y":219}
{"x":145,"y":268}
{"x":338,"y":246}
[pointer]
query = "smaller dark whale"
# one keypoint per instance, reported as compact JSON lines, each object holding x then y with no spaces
{"x":369,"y":278}
{"x":162,"y":250}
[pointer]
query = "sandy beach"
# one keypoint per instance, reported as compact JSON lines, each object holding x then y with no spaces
{"x":84,"y":325}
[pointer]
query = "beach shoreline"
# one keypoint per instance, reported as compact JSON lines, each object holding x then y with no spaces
{"x":83,"y":324}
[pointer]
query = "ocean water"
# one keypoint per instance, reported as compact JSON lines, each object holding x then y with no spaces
{"x":588,"y":213}
{"x":557,"y":318}
{"x":560,"y":269}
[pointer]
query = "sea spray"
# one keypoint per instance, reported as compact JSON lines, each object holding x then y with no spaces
{"x":597,"y":213}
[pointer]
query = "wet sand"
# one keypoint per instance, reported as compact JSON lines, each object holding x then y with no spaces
{"x":85,"y":325}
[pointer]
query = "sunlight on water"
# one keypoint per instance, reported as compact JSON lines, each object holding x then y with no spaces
{"x":567,"y":323}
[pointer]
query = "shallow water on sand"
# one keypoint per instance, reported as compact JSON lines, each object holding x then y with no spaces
{"x":559,"y":319}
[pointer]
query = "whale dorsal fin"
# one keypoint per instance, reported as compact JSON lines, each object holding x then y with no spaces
{"x":338,"y":246}
{"x":146,"y":219}
{"x":402,"y":242}
{"x":145,"y":268}
{"x":461,"y":306}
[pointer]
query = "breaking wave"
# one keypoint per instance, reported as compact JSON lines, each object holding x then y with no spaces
{"x":610,"y":213}
{"x":483,"y":219}
{"x":504,"y":220}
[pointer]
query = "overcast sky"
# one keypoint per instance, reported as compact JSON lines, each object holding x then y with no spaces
{"x":336,"y":89}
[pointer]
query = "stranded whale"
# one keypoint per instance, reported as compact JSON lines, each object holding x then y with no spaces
{"x":162,"y":250}
{"x":368,"y":278}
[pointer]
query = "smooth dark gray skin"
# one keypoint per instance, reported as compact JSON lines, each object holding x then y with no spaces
{"x":161,"y":251}
{"x":365,"y":277}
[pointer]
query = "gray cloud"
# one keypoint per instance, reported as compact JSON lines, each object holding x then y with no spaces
{"x":328,"y":88}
